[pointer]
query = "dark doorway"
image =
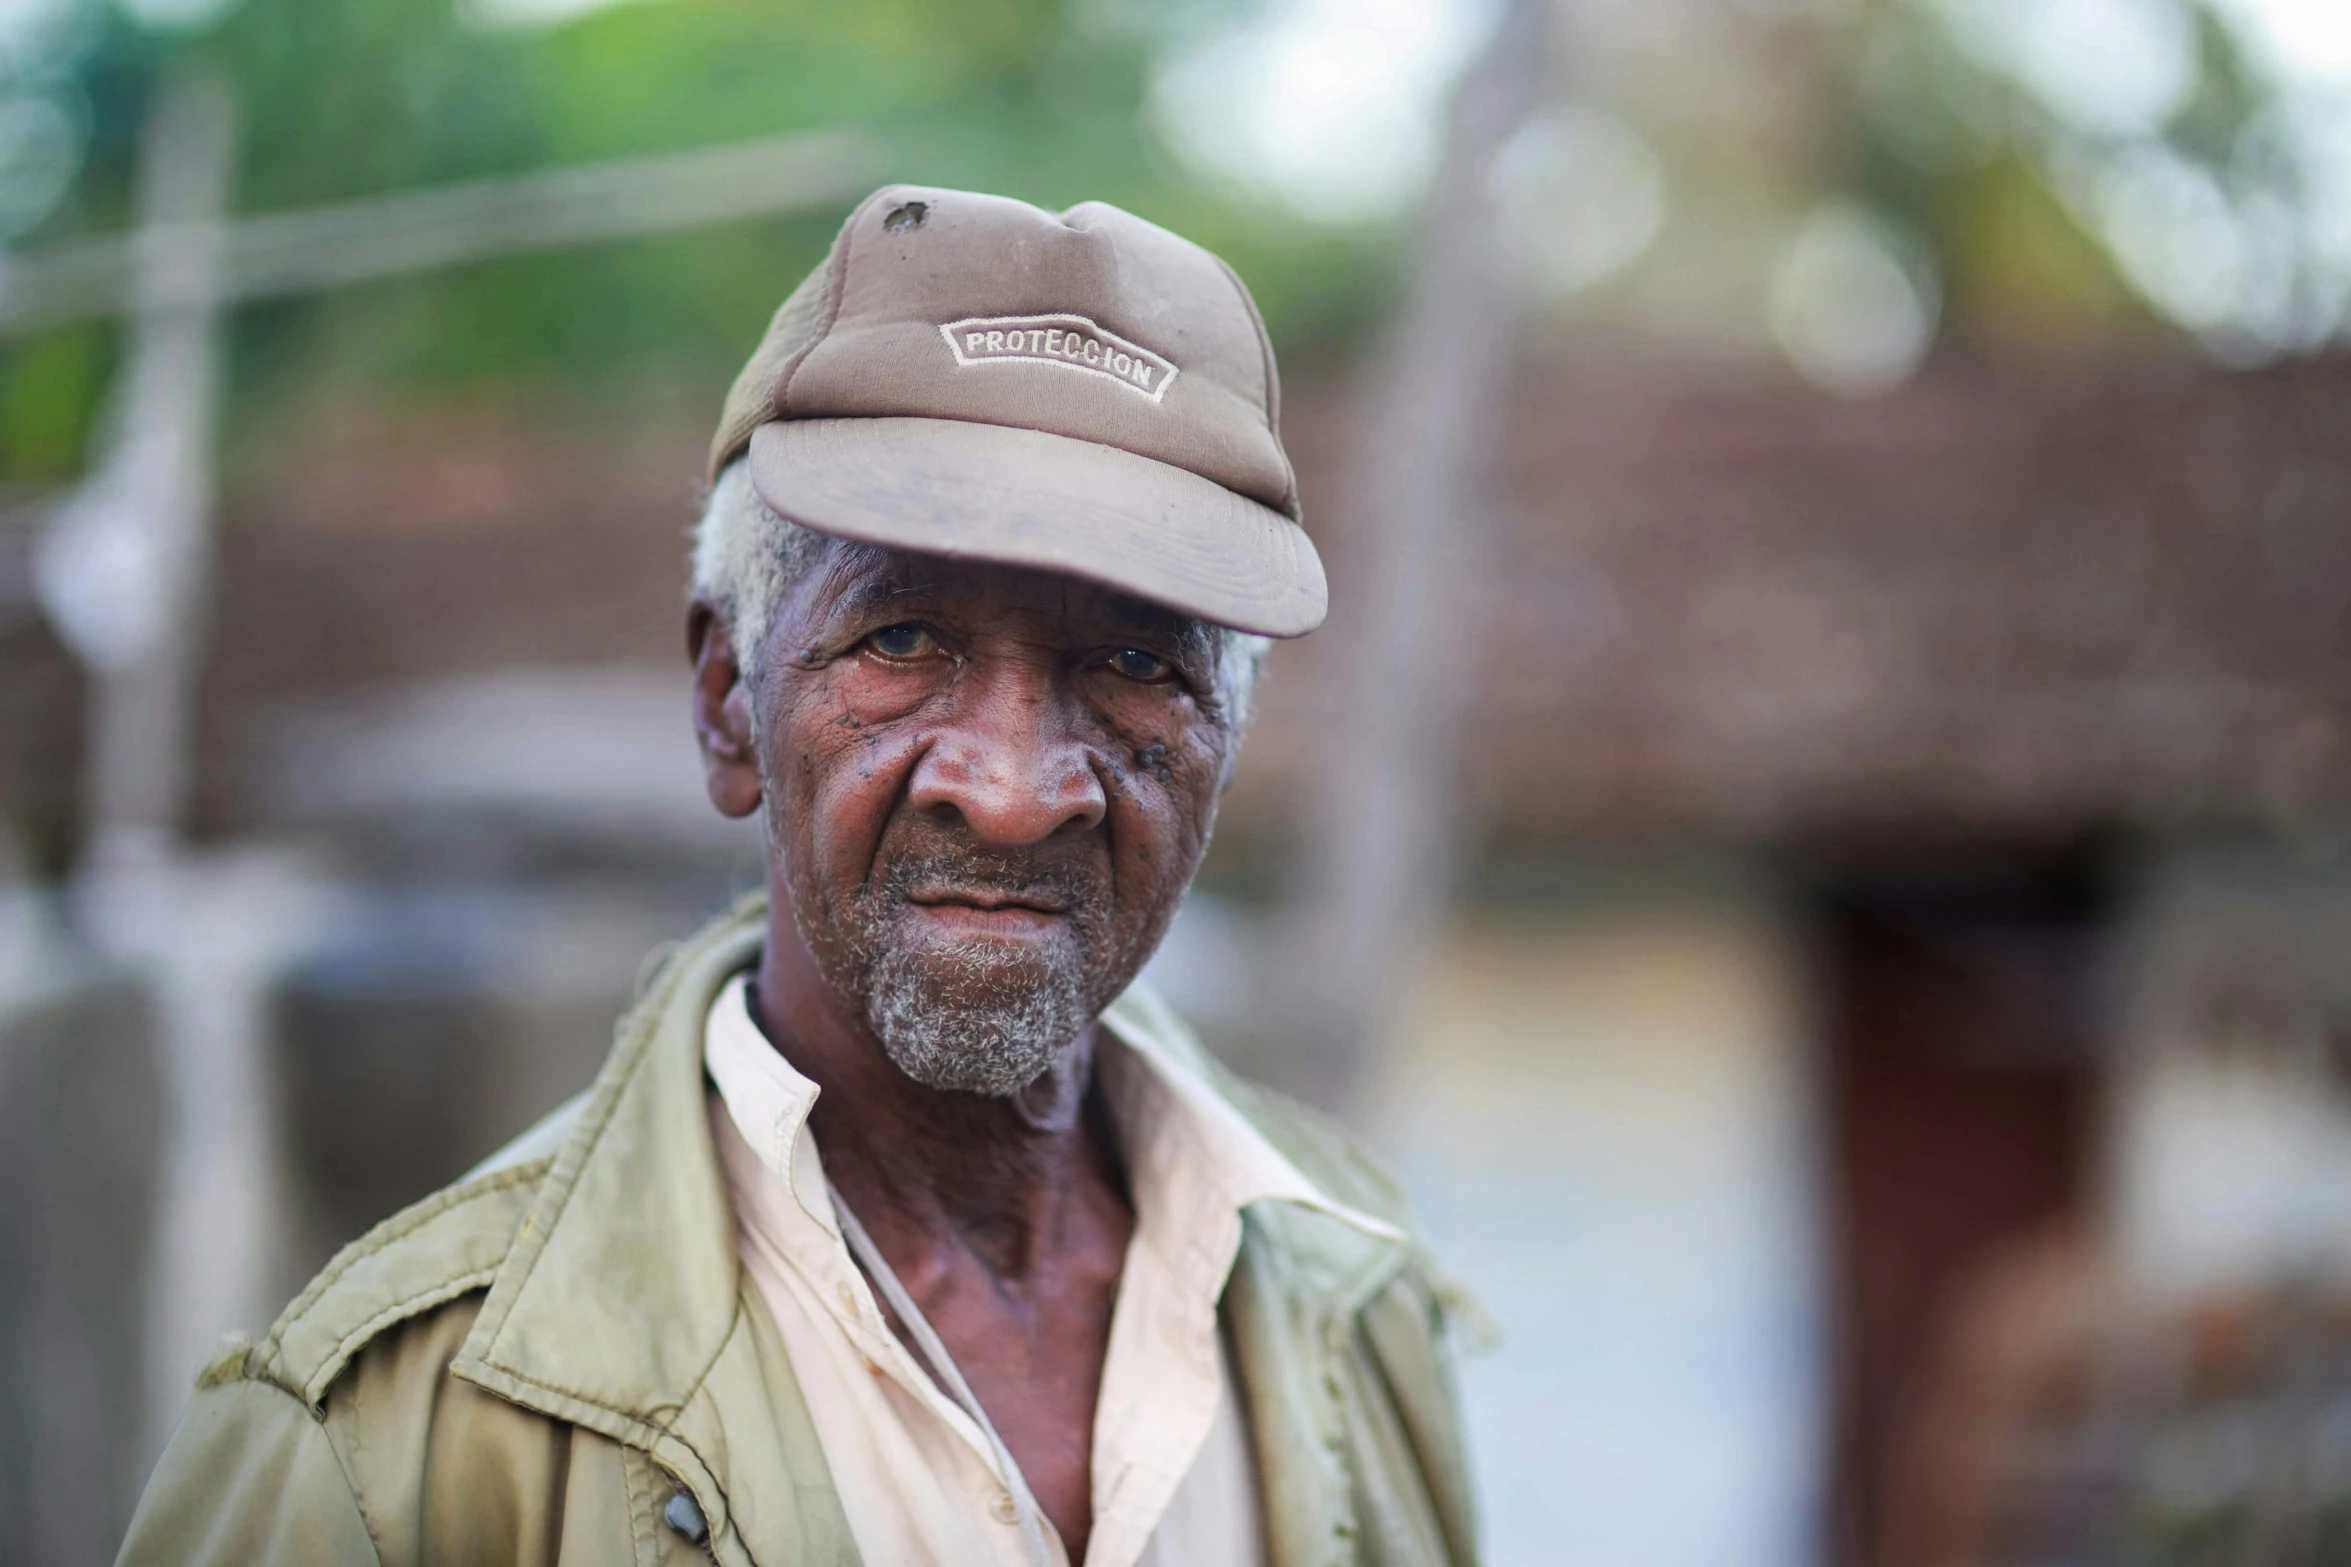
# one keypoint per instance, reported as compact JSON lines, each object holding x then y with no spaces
{"x":1963,"y":1011}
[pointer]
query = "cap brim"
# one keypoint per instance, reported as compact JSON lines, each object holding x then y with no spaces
{"x":1028,"y":498}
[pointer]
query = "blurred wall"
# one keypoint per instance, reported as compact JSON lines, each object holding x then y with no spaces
{"x":1602,"y":1098}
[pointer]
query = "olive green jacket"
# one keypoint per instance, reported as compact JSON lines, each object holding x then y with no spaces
{"x":532,"y":1365}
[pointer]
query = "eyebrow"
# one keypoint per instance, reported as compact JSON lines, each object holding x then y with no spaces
{"x":868,"y":591}
{"x":1142,"y":614}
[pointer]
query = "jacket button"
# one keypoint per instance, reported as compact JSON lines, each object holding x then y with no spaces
{"x":1004,"y":1509}
{"x":684,"y":1515}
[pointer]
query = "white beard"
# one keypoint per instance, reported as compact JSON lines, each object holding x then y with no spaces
{"x":997,"y":1044}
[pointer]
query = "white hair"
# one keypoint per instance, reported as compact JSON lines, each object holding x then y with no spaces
{"x":747,"y":556}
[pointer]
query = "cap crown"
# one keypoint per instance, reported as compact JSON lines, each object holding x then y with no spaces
{"x":1089,"y":323}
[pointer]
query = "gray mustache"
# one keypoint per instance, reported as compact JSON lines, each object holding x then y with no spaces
{"x":1071,"y":886}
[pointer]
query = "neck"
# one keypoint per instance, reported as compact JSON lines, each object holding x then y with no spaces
{"x":934,"y":1169}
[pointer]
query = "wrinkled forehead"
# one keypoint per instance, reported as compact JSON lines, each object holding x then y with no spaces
{"x":864,"y":581}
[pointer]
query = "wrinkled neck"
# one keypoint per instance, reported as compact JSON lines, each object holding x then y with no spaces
{"x":930,"y":1171}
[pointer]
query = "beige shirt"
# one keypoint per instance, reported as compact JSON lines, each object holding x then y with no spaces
{"x":1175,"y":1482}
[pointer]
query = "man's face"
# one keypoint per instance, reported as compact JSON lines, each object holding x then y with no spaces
{"x":986,"y":790}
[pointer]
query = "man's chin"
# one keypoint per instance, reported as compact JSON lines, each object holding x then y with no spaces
{"x":990,"y":1019}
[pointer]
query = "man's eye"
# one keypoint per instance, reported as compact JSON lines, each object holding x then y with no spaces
{"x":907,"y":641}
{"x":1136,"y":664}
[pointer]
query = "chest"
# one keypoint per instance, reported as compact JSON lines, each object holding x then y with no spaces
{"x":1035,"y":1360}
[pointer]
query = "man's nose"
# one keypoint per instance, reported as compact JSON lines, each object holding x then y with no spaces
{"x":1011,"y":770}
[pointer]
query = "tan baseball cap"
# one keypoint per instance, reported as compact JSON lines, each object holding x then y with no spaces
{"x":1078,"y":391}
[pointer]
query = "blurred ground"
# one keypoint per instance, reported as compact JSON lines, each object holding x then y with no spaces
{"x":1865,"y":1012}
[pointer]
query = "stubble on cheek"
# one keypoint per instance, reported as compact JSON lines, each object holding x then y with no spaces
{"x":807,"y":740}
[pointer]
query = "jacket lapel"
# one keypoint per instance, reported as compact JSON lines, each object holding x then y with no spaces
{"x":1291,"y":1303}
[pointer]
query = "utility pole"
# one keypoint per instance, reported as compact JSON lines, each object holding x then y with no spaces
{"x":1379,"y":860}
{"x":126,"y":568}
{"x":128,"y":558}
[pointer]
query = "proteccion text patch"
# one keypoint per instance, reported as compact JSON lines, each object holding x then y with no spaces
{"x":1070,"y":341}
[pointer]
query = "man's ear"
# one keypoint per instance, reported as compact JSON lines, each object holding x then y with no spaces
{"x":722,"y":713}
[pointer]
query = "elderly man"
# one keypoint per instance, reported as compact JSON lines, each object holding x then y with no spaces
{"x":901,"y":1226}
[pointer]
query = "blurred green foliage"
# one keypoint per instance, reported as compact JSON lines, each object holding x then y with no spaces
{"x":343,"y":99}
{"x":2006,"y":179}
{"x":1904,"y":109}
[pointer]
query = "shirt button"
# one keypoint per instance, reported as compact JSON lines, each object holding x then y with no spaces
{"x":848,"y":1298}
{"x":1003,"y":1509}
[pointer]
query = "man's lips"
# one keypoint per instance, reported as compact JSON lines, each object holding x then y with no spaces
{"x":988,"y":911}
{"x":986,"y":901}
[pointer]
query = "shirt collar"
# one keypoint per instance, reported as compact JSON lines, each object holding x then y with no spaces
{"x":767,"y":1098}
{"x":1170,"y":1113}
{"x":1171,"y":1119}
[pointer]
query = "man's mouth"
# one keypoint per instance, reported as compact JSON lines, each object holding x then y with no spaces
{"x":987,"y":900}
{"x":990,"y":911}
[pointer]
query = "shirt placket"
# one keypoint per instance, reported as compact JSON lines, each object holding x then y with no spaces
{"x":822,"y":1258}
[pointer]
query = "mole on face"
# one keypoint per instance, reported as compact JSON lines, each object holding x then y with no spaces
{"x":1152,"y":759}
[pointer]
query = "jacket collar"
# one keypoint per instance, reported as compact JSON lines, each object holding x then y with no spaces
{"x":621,"y":1287}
